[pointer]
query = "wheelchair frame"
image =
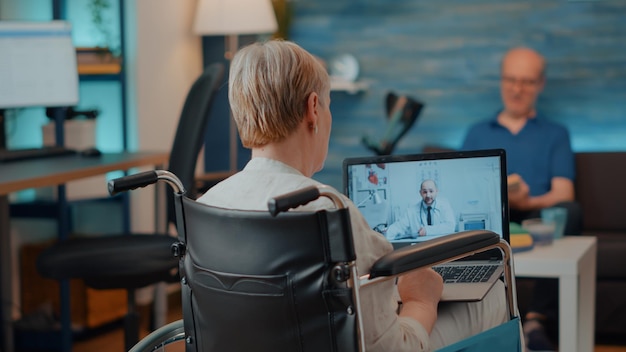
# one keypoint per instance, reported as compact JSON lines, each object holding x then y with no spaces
{"x":175,"y":331}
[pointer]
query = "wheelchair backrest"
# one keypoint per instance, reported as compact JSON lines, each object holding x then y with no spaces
{"x":254,"y":282}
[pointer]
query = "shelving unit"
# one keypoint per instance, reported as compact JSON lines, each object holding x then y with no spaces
{"x":100,"y":66}
{"x":96,"y":67}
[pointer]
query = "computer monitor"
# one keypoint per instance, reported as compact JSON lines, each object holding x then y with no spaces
{"x":37,"y":66}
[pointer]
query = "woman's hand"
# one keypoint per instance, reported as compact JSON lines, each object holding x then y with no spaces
{"x":420,"y":291}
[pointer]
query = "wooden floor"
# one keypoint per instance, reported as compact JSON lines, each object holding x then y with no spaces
{"x":113,"y":340}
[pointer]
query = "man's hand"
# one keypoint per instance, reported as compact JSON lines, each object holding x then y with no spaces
{"x":421,"y":232}
{"x":420,"y":291}
{"x":513,"y":182}
{"x":519,"y":193}
{"x":561,"y":190}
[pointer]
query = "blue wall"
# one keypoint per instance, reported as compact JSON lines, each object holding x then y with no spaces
{"x":444,"y":53}
{"x":447,"y":54}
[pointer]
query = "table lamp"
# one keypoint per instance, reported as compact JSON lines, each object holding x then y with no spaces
{"x":232,"y":18}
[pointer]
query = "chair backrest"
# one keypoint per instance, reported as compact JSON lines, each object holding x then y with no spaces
{"x":253,"y":282}
{"x":191,"y":130}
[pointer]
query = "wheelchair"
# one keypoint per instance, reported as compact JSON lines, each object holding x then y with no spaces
{"x":287,"y":281}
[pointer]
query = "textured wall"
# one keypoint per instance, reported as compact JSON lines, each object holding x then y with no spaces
{"x":447,"y":54}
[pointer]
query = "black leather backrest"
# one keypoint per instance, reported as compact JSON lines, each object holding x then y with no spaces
{"x":600,"y":190}
{"x":191,"y":129}
{"x":253,"y":282}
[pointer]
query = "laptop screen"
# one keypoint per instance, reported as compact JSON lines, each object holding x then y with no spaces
{"x":413,"y":198}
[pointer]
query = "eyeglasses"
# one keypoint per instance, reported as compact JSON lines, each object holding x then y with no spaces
{"x":523,"y":82}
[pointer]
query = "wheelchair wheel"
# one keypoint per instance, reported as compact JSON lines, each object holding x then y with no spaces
{"x":170,"y":337}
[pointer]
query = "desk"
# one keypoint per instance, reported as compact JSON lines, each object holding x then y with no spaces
{"x":572,"y":260}
{"x":16,"y":176}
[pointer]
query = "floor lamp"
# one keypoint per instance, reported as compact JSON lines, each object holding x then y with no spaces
{"x":232,"y":18}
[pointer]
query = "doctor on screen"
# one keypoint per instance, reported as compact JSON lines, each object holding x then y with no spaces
{"x":431,"y":216}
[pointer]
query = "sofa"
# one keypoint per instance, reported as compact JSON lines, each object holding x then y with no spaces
{"x":602,"y":197}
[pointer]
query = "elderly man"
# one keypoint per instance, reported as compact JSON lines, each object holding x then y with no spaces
{"x":540,"y":163}
{"x":538,"y":151}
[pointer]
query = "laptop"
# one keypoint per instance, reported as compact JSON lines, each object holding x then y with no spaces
{"x":466,"y":190}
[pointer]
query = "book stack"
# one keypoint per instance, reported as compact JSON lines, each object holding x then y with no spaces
{"x":521,"y":240}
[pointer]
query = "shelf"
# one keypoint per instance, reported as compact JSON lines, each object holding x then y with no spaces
{"x":351,"y":87}
{"x":97,"y":61}
{"x":99,"y":69}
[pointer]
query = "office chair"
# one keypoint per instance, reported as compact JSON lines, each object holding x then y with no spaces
{"x":287,"y":281}
{"x":402,"y":112}
{"x":121,"y":261}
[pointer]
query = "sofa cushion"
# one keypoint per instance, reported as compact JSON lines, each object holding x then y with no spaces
{"x":611,"y":258}
{"x":601,"y":191}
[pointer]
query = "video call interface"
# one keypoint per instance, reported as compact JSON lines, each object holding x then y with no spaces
{"x":468,"y":196}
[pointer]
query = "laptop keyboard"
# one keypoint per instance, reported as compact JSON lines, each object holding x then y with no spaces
{"x":466,"y":273}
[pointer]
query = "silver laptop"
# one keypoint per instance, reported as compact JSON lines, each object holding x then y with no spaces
{"x":414,"y":198}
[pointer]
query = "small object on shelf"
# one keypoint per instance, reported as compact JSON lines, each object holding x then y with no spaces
{"x":344,"y":71}
{"x":91,"y":152}
{"x":97,"y":61}
{"x":344,"y":67}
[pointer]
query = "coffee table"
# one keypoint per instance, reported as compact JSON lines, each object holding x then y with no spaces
{"x":571,"y":260}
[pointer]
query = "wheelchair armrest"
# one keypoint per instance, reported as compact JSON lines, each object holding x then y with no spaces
{"x":429,"y":253}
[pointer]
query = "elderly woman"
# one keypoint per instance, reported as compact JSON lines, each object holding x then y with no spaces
{"x":280,"y":99}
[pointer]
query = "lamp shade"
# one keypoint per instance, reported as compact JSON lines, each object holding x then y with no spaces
{"x":225,"y":17}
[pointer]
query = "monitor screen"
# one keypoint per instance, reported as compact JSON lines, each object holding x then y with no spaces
{"x":37,"y":65}
{"x":414,"y":198}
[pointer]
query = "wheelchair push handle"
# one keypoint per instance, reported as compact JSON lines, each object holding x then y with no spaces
{"x":292,"y":200}
{"x":131,"y":182}
{"x":303,"y":196}
{"x":144,"y":179}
